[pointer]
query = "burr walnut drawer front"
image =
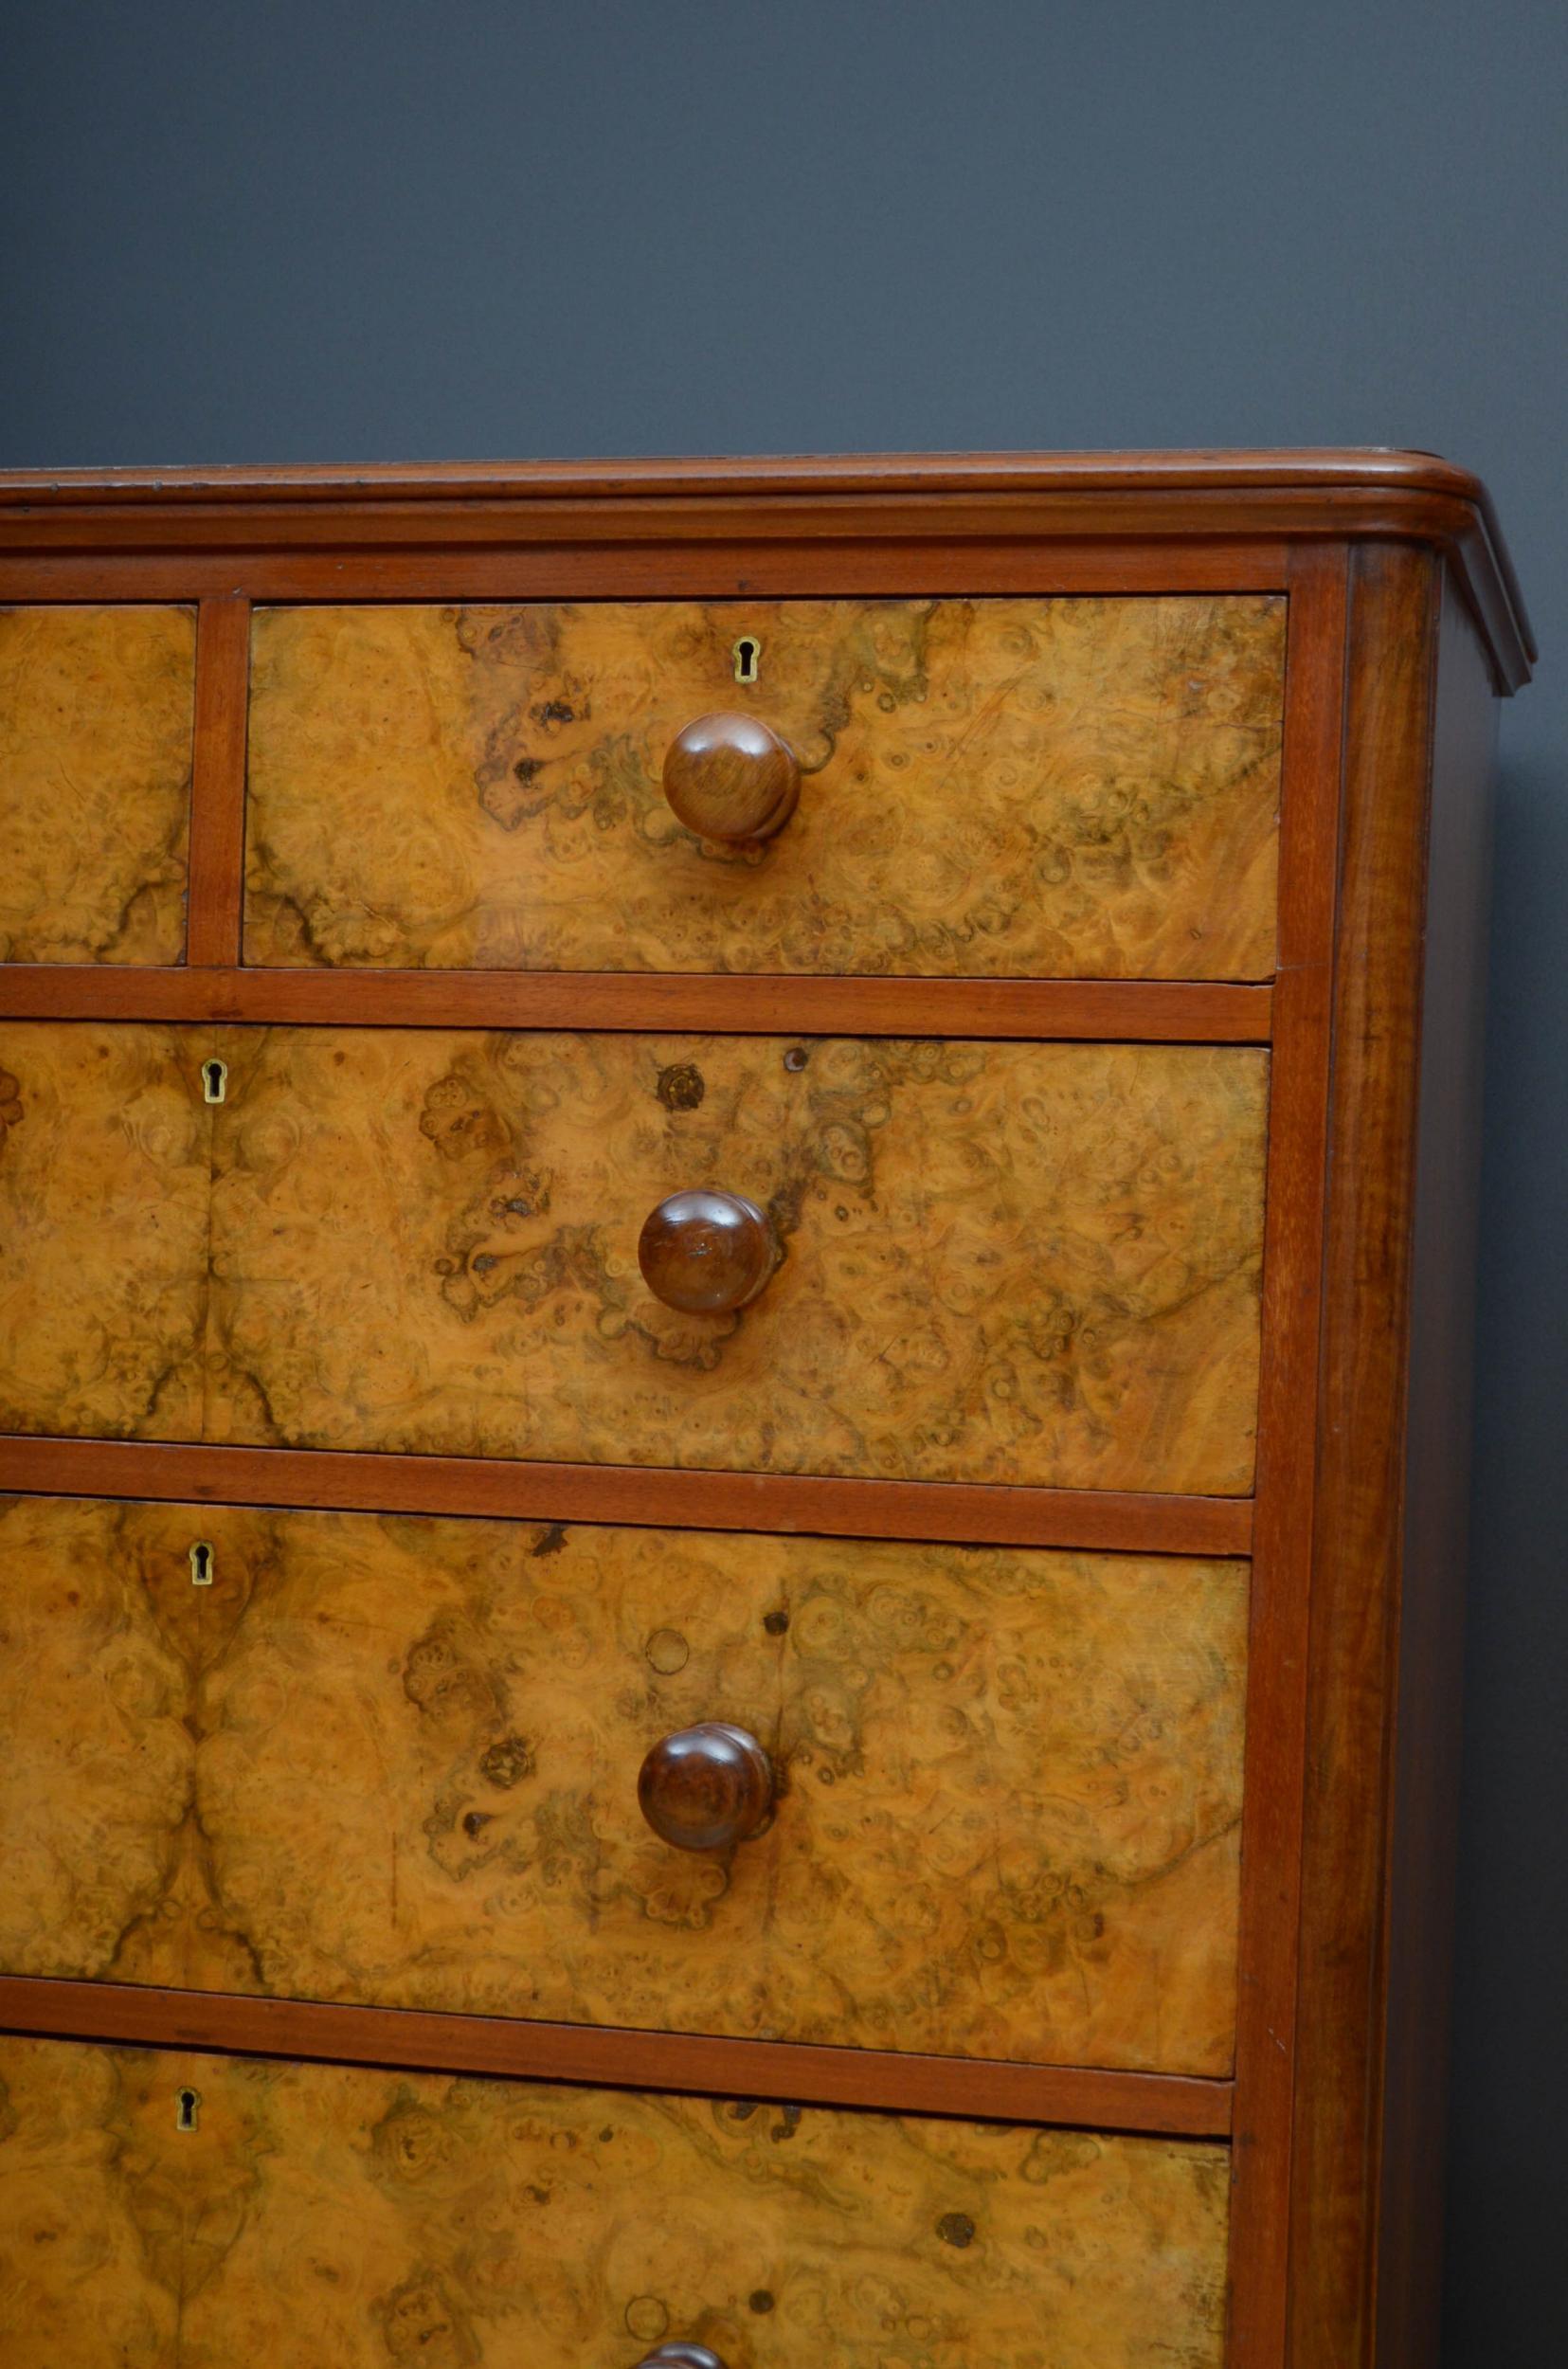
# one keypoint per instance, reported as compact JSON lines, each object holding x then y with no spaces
{"x":323,"y":2213}
{"x":972,"y":1802}
{"x":940,"y":1261}
{"x":96,"y":710}
{"x":1005,"y":787}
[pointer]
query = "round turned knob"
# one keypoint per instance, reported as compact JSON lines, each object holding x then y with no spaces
{"x":706,"y":1787}
{"x":707,"y":1253}
{"x":729,"y":777}
{"x":682,"y":2357}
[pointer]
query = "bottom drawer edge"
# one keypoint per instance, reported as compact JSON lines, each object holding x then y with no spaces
{"x":173,"y":2210}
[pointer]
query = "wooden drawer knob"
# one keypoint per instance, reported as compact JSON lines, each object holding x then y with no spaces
{"x":682,"y":2357}
{"x":707,"y":1253}
{"x":706,"y":1788}
{"x":729,"y":777}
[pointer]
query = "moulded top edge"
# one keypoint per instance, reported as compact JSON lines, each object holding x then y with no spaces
{"x":1350,"y":490}
{"x":1353,"y":467}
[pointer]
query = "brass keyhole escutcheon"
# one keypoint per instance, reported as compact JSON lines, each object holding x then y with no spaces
{"x":214,"y":1080}
{"x":187,"y":2104}
{"x":748,"y":655}
{"x":202,"y":1561}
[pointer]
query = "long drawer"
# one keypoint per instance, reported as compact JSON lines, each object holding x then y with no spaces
{"x":1002,"y":787}
{"x":1032,"y":1263}
{"x":313,"y":2213}
{"x":396,"y":1761}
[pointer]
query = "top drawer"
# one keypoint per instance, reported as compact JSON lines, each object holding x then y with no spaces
{"x":96,"y":710}
{"x":1017,"y":787}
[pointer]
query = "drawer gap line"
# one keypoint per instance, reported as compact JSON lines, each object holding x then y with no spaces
{"x":961,"y":2088}
{"x":365,"y":1481}
{"x":722,"y":1003}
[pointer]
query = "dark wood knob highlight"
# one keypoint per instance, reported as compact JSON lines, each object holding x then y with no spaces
{"x":706,"y":1788}
{"x":682,"y":2357}
{"x":707,"y":1253}
{"x":730,"y":777}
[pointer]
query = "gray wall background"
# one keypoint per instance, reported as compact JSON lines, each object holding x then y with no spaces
{"x":303,"y":230}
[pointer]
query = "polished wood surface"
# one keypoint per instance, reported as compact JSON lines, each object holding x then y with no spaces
{"x":342,"y":2212}
{"x":1162,"y":507}
{"x":1084,"y":1518}
{"x":86,"y":2279}
{"x":707,"y":1254}
{"x":1276,"y":1774}
{"x":398,"y":1761}
{"x":999,"y":2091}
{"x":426,"y":1243}
{"x":1002,"y":1264}
{"x":729,"y":777}
{"x":991,"y":787}
{"x":708,"y":1787}
{"x":1346,"y":1802}
{"x":990,"y":553}
{"x":1337,"y":2136}
{"x":1073,"y":1011}
{"x":95,"y":718}
{"x":1387,"y":1580}
{"x":1354,"y":472}
{"x":218,"y":785}
{"x":105,"y":1195}
{"x":1429,"y":1675}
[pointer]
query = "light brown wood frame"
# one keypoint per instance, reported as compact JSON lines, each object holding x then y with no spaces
{"x":1404,"y":621}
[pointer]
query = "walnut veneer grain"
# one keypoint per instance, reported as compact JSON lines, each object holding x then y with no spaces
{"x":1014,"y":1304}
{"x":105,"y":1194}
{"x":96,"y":703}
{"x":1001,"y":1263}
{"x":324,"y":2213}
{"x":993,"y":787}
{"x":393,"y":1761}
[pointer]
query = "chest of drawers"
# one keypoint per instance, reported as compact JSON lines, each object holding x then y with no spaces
{"x":733,"y":1370}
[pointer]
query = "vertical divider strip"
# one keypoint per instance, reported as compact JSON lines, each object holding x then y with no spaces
{"x":218,"y":781}
{"x":1282,"y":1552}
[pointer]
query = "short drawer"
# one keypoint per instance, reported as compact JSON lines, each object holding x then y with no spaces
{"x":395,"y":1762}
{"x":320,"y":2213}
{"x":992,"y":788}
{"x":96,"y":709}
{"x":1030,"y":1263}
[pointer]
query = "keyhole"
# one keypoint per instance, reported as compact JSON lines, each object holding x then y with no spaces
{"x":188,"y":2102}
{"x":201,"y":1564}
{"x":748,"y":653}
{"x":214,"y":1080}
